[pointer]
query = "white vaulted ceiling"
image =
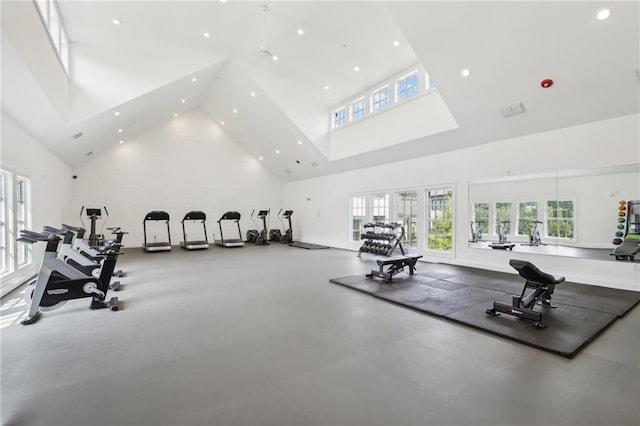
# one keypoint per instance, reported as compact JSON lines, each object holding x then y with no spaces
{"x":144,"y":67}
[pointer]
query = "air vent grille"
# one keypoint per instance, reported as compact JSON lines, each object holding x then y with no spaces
{"x":512,"y":110}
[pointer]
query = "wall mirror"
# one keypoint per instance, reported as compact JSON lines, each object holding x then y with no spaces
{"x":567,"y":213}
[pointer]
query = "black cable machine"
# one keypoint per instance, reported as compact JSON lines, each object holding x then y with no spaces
{"x":194,"y":216}
{"x":235,"y":242}
{"x":156,"y":216}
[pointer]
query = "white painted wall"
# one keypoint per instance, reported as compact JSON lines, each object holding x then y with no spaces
{"x":189,"y":163}
{"x":398,"y":123}
{"x":50,"y":189}
{"x":322,"y":204}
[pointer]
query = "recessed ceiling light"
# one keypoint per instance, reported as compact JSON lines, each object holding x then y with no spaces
{"x":194,"y":79}
{"x":326,"y":87}
{"x":206,"y":35}
{"x":253,"y":94}
{"x":465,"y":72}
{"x":260,"y":158}
{"x":274,"y":57}
{"x":396,"y":43}
{"x":117,"y":113}
{"x":235,"y":111}
{"x":277,"y":151}
{"x":223,"y":1}
{"x":222,"y":123}
{"x":116,"y":21}
{"x":119,"y":130}
{"x":299,"y":142}
{"x":603,"y":14}
{"x":356,"y":68}
{"x":121,"y":142}
{"x":175,"y":115}
{"x":183,"y":100}
{"x":300,"y":31}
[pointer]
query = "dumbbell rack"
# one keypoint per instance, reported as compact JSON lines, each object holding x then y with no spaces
{"x":381,"y":238}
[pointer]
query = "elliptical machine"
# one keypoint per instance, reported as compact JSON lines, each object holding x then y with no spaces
{"x":275,"y":234}
{"x":262,"y":239}
{"x":252,"y":234}
{"x":287,"y":237}
{"x":58,"y":282}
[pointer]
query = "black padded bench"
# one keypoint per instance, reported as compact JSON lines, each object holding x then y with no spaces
{"x":394,"y":265}
{"x":627,"y":250}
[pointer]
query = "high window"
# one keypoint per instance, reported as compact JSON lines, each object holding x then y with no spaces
{"x":407,"y":215}
{"x":358,"y":216}
{"x":52,"y":21}
{"x":407,"y":86}
{"x":357,"y":109}
{"x":439,"y":219}
{"x":23,"y":218}
{"x":339,"y":117}
{"x":380,"y":98}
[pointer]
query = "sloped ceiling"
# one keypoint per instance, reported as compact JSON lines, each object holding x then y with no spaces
{"x":144,"y":67}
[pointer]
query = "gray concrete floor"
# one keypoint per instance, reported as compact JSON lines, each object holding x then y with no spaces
{"x":258,"y":336}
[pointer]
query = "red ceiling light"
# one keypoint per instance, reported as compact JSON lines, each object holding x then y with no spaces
{"x":547,"y":82}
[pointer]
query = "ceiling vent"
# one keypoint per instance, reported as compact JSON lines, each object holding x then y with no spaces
{"x":88,"y":154}
{"x":512,"y":110}
{"x":77,"y":135}
{"x":314,"y":164}
{"x":287,"y":171}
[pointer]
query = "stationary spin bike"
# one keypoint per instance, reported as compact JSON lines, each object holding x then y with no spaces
{"x":58,"y":282}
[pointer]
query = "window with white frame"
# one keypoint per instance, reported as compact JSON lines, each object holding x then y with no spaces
{"x":407,"y":86}
{"x":52,"y":21}
{"x":358,"y":216}
{"x":502,"y":217}
{"x":407,"y":215}
{"x":439,"y":217}
{"x":4,"y":249}
{"x":380,"y":98}
{"x":15,"y":215}
{"x":527,"y":217}
{"x":380,"y":208}
{"x":481,"y":217}
{"x":560,"y":221}
{"x":339,"y":117}
{"x":23,"y":218}
{"x":357,"y":109}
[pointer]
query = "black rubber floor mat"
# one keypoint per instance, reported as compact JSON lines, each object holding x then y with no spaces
{"x":367,"y":285}
{"x":308,"y":246}
{"x":583,"y":311}
{"x":569,"y":328}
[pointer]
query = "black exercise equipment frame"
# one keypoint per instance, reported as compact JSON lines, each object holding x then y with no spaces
{"x":542,"y":286}
{"x":394,"y":266}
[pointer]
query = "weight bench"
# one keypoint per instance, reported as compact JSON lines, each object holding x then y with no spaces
{"x":542,"y":285}
{"x":627,"y":250}
{"x":394,"y":265}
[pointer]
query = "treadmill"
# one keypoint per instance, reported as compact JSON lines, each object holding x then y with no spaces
{"x":156,"y":216}
{"x":194,"y":216}
{"x":236,"y":242}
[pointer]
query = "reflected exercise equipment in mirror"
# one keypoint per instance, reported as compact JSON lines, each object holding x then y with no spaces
{"x":574,"y":213}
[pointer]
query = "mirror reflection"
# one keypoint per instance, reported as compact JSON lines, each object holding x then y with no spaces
{"x":574,"y":213}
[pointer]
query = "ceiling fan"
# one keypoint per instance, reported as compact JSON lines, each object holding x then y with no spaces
{"x":264,"y":50}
